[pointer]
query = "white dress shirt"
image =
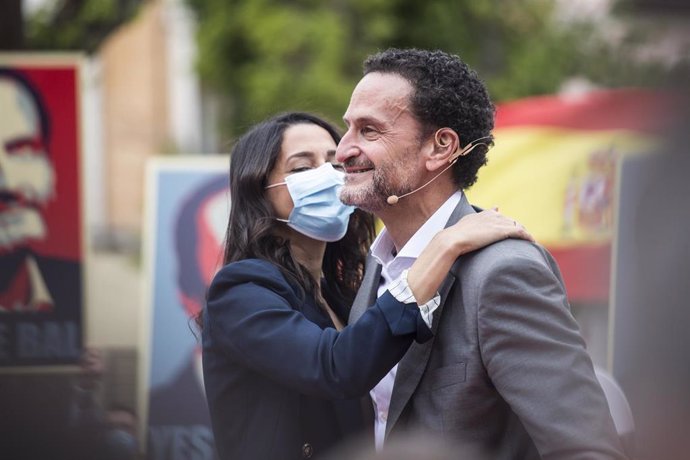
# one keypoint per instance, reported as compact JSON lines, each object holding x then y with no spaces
{"x":393,"y":265}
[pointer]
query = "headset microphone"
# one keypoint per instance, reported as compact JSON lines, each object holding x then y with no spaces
{"x":393,"y":199}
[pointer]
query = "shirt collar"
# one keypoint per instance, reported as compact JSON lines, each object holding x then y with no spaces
{"x":383,"y":249}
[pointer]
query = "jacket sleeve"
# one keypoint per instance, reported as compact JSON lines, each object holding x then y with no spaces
{"x":536,"y":358}
{"x":250,"y":318}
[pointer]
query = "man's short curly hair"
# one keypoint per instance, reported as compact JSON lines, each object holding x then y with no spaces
{"x":447,"y":93}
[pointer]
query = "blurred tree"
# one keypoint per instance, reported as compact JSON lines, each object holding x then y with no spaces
{"x":516,"y":46}
{"x":653,"y":48}
{"x":76,"y":24}
{"x":11,"y":25}
{"x":266,"y":56}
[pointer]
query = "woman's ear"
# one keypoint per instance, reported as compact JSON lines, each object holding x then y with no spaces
{"x":445,"y":143}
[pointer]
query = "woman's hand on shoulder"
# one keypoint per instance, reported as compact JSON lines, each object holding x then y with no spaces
{"x":474,"y":231}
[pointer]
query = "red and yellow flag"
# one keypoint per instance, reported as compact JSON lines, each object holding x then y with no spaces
{"x":554,"y":166}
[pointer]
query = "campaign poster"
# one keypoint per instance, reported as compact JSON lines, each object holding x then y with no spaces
{"x":41,"y":212}
{"x":187,"y":209}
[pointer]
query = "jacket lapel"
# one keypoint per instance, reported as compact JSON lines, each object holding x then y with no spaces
{"x":412,"y":366}
{"x":366,"y":295}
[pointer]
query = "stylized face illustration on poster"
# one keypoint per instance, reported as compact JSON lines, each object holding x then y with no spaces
{"x":189,"y":204}
{"x":41,"y":253}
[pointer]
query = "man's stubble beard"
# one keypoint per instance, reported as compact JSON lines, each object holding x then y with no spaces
{"x":391,"y":178}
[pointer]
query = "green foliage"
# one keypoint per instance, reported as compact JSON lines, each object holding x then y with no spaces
{"x":271,"y":56}
{"x":267,"y":56}
{"x":514,"y":45}
{"x":77,"y":24}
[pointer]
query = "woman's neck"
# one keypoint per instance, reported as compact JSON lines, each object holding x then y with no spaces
{"x":309,"y":253}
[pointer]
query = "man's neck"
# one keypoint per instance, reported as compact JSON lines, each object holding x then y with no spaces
{"x":403,"y":219}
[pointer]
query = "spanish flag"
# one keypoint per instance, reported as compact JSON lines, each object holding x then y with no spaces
{"x":554,"y":168}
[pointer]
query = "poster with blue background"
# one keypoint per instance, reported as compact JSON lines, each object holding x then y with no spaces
{"x":187,"y":209}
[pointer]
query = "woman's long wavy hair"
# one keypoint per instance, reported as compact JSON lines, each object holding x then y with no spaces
{"x":250,"y":232}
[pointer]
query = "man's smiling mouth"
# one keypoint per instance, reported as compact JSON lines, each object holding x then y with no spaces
{"x":357,"y":169}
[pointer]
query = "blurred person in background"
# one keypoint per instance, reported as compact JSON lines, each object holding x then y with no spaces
{"x":86,"y":416}
{"x":282,"y":371}
{"x":59,"y":416}
{"x":506,"y":371}
{"x":119,"y":438}
{"x":414,"y":446}
{"x":94,"y":431}
{"x":651,"y":314}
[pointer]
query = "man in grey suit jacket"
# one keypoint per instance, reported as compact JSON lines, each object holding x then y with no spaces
{"x":507,"y":372}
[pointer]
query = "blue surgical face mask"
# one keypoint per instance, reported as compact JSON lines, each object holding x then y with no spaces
{"x":318,"y":211}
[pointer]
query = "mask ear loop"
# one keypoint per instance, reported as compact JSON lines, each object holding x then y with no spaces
{"x":275,"y":185}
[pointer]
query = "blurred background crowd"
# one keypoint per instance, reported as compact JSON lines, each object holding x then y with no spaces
{"x":592,"y":126}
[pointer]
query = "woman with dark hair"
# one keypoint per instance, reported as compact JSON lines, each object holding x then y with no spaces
{"x":282,"y":371}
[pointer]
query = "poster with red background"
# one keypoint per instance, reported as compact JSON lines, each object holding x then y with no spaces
{"x":41,"y":212}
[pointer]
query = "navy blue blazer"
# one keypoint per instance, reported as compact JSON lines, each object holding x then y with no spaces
{"x":281,"y":381}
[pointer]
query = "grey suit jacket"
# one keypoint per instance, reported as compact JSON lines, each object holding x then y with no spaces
{"x":507,"y":373}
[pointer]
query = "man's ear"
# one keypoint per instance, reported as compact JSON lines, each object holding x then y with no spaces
{"x":445,"y":143}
